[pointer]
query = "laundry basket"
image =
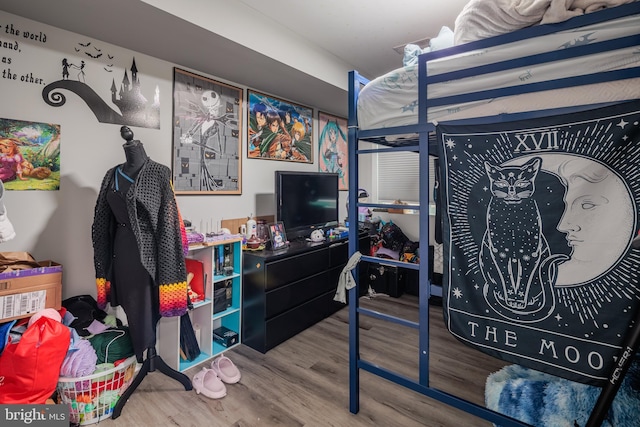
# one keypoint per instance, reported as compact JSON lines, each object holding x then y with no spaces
{"x":92,"y":398}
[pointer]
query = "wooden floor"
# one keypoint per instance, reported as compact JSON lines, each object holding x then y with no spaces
{"x":305,"y":381}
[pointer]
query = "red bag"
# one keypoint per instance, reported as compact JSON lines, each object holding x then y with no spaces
{"x":29,"y":369}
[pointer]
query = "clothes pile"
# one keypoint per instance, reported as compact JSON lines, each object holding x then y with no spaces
{"x":75,"y":341}
{"x":391,"y":243}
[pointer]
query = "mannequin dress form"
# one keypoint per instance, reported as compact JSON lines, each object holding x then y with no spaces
{"x":133,"y":287}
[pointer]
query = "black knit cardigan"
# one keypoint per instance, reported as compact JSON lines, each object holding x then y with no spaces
{"x":155,"y":222}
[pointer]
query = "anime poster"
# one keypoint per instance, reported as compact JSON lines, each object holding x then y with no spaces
{"x":333,"y":154}
{"x":29,"y":155}
{"x":539,"y":216}
{"x":206,"y":135}
{"x":279,"y":130}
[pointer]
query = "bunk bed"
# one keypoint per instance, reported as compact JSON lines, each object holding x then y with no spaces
{"x":587,"y":65}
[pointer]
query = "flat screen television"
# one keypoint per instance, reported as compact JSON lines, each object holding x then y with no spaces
{"x":306,"y":201}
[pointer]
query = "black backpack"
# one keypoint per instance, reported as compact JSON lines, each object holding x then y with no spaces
{"x":85,"y":310}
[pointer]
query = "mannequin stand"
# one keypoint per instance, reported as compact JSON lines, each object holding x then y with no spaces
{"x":150,"y":364}
{"x":136,"y":158}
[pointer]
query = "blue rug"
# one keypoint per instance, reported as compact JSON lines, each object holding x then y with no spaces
{"x":544,"y":400}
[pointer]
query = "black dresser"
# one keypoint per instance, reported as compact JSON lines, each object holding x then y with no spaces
{"x":288,"y":290}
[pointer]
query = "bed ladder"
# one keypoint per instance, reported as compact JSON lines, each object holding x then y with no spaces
{"x":426,"y":289}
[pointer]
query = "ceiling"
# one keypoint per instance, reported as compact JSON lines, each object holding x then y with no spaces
{"x":360,"y":34}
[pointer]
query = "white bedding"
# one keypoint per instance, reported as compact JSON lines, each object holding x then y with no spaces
{"x":480,"y":19}
{"x":392,"y":99}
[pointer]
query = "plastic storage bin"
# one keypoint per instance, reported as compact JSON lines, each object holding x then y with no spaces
{"x":92,"y":398}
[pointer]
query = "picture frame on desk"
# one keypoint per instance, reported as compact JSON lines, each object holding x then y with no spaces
{"x":278,"y":236}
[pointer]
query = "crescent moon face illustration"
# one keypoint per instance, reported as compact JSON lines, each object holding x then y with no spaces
{"x":598,"y":217}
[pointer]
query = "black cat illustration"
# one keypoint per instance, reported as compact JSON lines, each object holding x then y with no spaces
{"x":515,"y":259}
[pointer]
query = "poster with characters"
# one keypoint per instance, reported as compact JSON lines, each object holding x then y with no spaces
{"x":333,"y":152}
{"x":29,"y":155}
{"x":206,"y":135}
{"x":538,"y":217}
{"x":279,"y":129}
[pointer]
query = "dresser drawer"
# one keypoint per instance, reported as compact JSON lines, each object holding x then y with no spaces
{"x":289,"y":323}
{"x":339,"y":253}
{"x":281,"y":272}
{"x":286,"y":297}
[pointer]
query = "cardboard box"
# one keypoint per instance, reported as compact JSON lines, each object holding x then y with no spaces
{"x":25,"y":292}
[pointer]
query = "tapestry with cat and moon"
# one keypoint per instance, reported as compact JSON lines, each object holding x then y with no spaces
{"x":538,"y":219}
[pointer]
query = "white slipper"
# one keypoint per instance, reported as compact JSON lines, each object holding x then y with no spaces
{"x":207,"y":382}
{"x":226,"y":370}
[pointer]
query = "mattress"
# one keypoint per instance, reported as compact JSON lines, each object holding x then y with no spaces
{"x":392,"y":99}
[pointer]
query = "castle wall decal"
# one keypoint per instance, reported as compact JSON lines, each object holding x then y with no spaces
{"x":135,"y":109}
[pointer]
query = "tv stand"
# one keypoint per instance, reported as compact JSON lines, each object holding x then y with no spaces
{"x":287,"y":290}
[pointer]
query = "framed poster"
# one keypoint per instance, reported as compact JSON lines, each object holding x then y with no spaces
{"x":332,"y":147}
{"x":206,"y":135}
{"x":29,"y":155}
{"x":278,"y":236}
{"x":279,"y":130}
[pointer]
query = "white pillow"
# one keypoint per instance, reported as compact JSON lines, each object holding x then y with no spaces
{"x":442,"y":41}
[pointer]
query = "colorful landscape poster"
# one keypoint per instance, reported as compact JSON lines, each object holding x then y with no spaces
{"x":29,"y":155}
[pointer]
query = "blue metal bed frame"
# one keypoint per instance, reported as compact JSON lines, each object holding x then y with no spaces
{"x":423,"y":147}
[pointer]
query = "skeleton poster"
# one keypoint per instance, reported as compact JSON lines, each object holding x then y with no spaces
{"x":538,"y":217}
{"x":206,"y":135}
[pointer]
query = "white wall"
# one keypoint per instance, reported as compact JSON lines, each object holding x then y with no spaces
{"x":258,"y":34}
{"x":56,"y":225}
